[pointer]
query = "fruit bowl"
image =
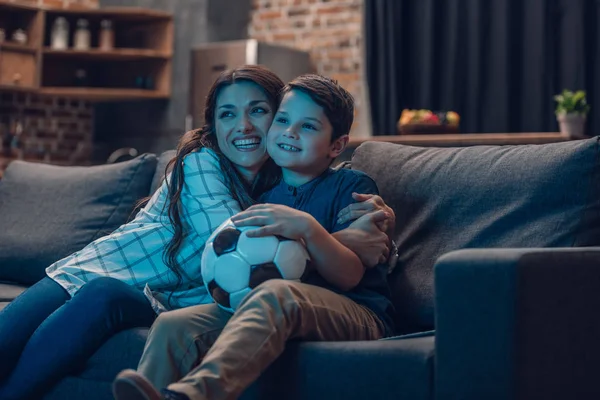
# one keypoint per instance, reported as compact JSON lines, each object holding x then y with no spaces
{"x":427,"y":121}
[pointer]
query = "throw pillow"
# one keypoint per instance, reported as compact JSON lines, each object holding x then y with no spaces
{"x":159,"y":175}
{"x":48,"y":212}
{"x":447,"y":199}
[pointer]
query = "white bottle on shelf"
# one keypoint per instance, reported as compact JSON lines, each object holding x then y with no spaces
{"x":59,"y":37}
{"x":82,"y":39}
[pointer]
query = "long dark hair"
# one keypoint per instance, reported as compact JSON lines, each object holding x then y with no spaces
{"x":241,"y":191}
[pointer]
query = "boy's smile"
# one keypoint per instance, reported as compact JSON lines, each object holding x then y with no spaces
{"x":299,"y":139}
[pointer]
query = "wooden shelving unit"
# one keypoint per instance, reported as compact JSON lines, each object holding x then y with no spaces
{"x":108,"y":55}
{"x":103,"y":94}
{"x":19,"y":48}
{"x":139,"y":66}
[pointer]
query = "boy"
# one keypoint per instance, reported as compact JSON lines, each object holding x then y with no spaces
{"x":339,"y":300}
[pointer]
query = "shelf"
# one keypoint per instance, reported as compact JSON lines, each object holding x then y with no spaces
{"x":122,"y":13}
{"x":103,"y":94}
{"x":143,"y":40}
{"x":17,"y":6}
{"x":17,"y":88}
{"x":466,"y":139}
{"x":22,"y":48}
{"x":109,"y":55}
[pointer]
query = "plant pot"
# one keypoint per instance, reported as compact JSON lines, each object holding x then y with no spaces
{"x":572,"y":125}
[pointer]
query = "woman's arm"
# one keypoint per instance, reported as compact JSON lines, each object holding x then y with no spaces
{"x":367,"y":203}
{"x":370,"y":235}
{"x":334,"y":262}
{"x":206,"y":201}
{"x":365,"y":238}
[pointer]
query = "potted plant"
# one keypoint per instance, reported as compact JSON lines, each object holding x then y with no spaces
{"x":571,"y":113}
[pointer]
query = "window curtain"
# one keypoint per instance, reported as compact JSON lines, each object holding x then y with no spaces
{"x":495,"y":62}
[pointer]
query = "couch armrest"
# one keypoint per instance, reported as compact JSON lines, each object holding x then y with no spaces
{"x":517,"y":324}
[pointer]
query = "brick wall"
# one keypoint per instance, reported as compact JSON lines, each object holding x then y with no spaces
{"x":330,"y":30}
{"x":54,"y":130}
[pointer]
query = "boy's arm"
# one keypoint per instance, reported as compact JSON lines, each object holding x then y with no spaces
{"x":335,"y":262}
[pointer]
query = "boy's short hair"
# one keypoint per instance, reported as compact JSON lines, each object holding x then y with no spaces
{"x":337,"y":102}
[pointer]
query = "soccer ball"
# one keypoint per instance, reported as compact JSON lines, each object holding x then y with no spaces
{"x":233,"y":264}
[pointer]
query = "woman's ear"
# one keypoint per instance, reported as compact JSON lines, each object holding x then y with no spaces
{"x":338,"y":146}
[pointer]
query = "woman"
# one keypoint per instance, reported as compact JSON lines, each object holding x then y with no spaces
{"x":151,"y":263}
{"x":203,"y":352}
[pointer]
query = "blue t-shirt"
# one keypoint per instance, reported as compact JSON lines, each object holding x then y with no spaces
{"x":323,"y":198}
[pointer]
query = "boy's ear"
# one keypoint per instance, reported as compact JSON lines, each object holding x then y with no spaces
{"x":338,"y":146}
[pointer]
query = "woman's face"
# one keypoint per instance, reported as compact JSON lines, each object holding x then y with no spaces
{"x":242,"y":119}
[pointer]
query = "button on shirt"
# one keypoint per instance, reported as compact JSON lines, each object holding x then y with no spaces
{"x":323,"y":198}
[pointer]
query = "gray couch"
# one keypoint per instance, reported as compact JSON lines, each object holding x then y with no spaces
{"x":496,"y":253}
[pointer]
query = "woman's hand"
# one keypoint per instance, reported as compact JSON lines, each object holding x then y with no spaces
{"x":364,"y":238}
{"x":275,"y":219}
{"x":367,"y":203}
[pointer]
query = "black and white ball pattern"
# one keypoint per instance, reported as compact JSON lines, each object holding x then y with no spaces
{"x":233,"y":264}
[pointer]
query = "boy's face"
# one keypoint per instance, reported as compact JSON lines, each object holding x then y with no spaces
{"x":299,"y":139}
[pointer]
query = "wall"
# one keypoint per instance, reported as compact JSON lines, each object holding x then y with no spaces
{"x":155,"y":126}
{"x":53,"y":129}
{"x":330,"y":30}
{"x":63,"y":131}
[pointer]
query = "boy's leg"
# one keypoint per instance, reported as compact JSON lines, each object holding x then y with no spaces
{"x":256,"y":335}
{"x":178,"y":340}
{"x":23,"y":315}
{"x":67,"y":338}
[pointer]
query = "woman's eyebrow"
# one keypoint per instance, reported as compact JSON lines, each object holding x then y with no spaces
{"x":252,"y":103}
{"x":255,"y":102}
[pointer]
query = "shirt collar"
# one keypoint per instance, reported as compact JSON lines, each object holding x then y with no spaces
{"x":294,"y":190}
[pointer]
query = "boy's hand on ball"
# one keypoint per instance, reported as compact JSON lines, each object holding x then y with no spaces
{"x":275,"y":219}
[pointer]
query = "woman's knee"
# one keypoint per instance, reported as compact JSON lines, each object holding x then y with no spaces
{"x":108,"y":293}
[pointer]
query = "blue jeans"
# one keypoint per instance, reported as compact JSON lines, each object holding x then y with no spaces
{"x":46,"y":335}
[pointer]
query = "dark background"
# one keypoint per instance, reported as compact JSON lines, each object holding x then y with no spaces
{"x":495,"y":62}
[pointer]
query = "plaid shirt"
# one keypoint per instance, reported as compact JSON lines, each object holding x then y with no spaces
{"x":134,"y":252}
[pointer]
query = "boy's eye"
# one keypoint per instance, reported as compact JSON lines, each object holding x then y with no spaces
{"x":310,"y":126}
{"x":225,"y":114}
{"x":282,"y":120}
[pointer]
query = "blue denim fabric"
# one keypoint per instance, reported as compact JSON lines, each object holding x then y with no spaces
{"x":46,"y":335}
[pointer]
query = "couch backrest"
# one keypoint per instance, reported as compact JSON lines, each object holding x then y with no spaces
{"x":159,"y":174}
{"x":47,"y":212}
{"x":476,"y":197}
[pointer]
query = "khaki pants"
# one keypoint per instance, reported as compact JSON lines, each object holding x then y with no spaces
{"x":211,"y":354}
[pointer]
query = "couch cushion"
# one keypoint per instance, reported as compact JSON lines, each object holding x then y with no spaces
{"x":48,"y":211}
{"x":121,"y":351}
{"x":476,"y":197}
{"x":159,"y":175}
{"x":8,"y":292}
{"x":317,"y":371}
{"x":385,"y":369}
